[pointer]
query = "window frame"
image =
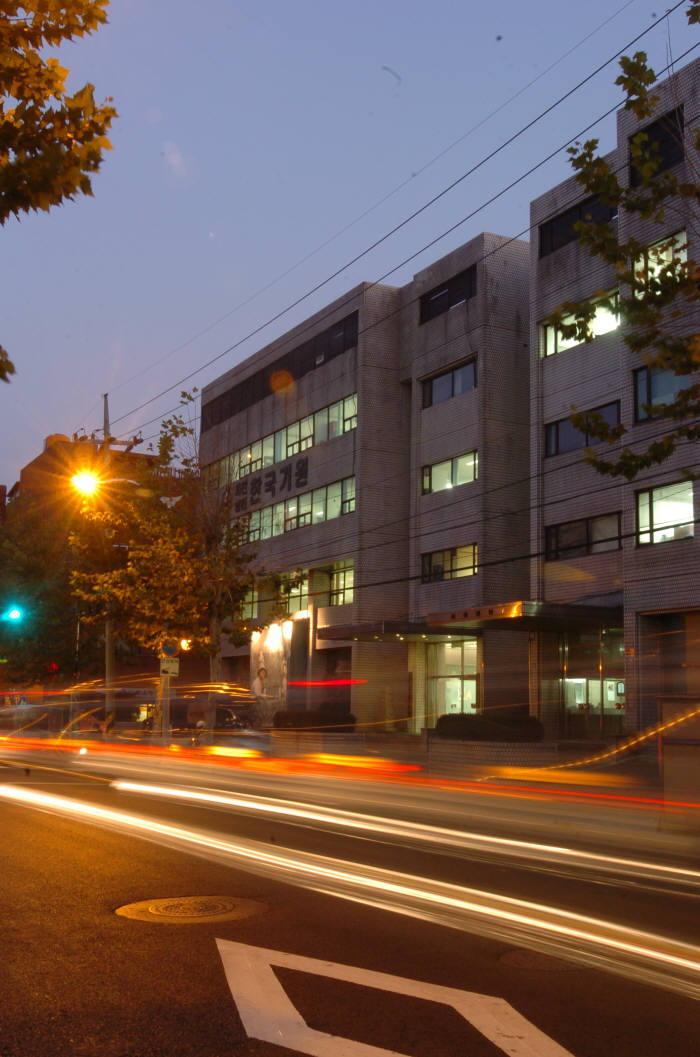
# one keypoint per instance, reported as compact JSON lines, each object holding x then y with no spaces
{"x":645,"y":375}
{"x":590,"y":209}
{"x":454,"y":291}
{"x":555,"y":550}
{"x":552,"y":429}
{"x":428,"y":383}
{"x":677,"y":253}
{"x":427,"y":473}
{"x":651,"y":530}
{"x":550,"y":335}
{"x":670,"y":128}
{"x":338,"y":586}
{"x":285,"y":443}
{"x":438,"y":566}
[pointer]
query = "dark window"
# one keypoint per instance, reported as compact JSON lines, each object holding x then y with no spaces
{"x":325,"y":346}
{"x":561,"y":229}
{"x":591,"y":535}
{"x":444,"y":297}
{"x":562,"y":436}
{"x":661,"y":142}
{"x":450,"y":383}
{"x":654,"y":387}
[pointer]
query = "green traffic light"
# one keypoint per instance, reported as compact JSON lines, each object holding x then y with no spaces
{"x":14,"y":613}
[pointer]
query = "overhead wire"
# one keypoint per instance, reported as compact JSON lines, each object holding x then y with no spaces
{"x":313,"y":324}
{"x":435,"y":198}
{"x":385,"y":198}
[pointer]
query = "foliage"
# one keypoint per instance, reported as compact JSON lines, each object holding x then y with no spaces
{"x":659,"y":291}
{"x":34,"y":575}
{"x":50,"y":141}
{"x":186,"y":568}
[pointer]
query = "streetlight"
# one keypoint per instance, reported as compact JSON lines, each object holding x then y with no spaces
{"x":88,"y":483}
{"x":85,"y":482}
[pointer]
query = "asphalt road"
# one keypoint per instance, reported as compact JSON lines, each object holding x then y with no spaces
{"x":265,"y":923}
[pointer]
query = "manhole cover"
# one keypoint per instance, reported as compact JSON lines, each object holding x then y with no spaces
{"x":189,"y":910}
{"x":536,"y":962}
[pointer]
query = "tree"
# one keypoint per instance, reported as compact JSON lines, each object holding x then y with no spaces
{"x":40,"y":645}
{"x":50,"y":141}
{"x":658,"y":284}
{"x":187,"y":566}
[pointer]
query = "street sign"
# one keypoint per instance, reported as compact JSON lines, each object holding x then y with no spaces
{"x":170,"y":666}
{"x":268,"y":1014}
{"x":170,"y":649}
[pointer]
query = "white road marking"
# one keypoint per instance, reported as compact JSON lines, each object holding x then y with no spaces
{"x":268,"y":1014}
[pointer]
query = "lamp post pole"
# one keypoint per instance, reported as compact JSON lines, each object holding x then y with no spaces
{"x":109,"y":626}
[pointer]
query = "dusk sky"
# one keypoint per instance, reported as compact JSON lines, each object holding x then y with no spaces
{"x":260,"y":146}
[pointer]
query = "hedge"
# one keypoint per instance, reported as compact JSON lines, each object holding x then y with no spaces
{"x":481,"y":728}
{"x":314,"y":720}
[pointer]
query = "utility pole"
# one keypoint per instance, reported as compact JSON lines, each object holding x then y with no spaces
{"x":109,"y":627}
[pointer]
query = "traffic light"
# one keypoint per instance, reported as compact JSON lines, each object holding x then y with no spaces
{"x":14,"y":614}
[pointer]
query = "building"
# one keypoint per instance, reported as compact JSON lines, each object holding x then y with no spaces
{"x":431,"y":538}
{"x":382,"y":466}
{"x":627,"y":550}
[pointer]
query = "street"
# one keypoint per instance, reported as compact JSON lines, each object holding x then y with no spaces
{"x":244,"y":874}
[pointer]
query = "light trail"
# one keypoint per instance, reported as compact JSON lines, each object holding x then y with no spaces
{"x":649,"y":958}
{"x":371,"y":826}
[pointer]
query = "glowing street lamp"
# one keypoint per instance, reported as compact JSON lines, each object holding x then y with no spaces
{"x":85,"y":482}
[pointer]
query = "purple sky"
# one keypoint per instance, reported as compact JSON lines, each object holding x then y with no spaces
{"x":249,"y":135}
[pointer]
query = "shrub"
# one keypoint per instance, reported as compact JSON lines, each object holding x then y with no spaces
{"x":481,"y":728}
{"x":314,"y":720}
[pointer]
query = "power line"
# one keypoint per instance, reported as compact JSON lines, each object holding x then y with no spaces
{"x":422,"y":209}
{"x":380,"y":202}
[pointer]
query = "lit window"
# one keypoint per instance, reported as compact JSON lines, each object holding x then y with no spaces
{"x":452,"y":676}
{"x":665,"y":513}
{"x":308,"y":508}
{"x":256,"y":456}
{"x":449,"y":564}
{"x":318,"y":505}
{"x":304,"y":509}
{"x":661,"y":260}
{"x":329,"y":422}
{"x":348,"y":505}
{"x":335,"y":420}
{"x":295,"y":591}
{"x":342,"y":581}
{"x":334,"y":500}
{"x":350,"y":413}
{"x":450,"y":473}
{"x":254,"y":525}
{"x":249,"y":605}
{"x":291,"y":514}
{"x":606,"y":318}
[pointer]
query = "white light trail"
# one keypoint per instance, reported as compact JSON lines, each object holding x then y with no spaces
{"x":651,"y":958}
{"x":372,"y":826}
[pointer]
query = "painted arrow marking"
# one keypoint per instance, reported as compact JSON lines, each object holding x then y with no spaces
{"x":268,"y":1014}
